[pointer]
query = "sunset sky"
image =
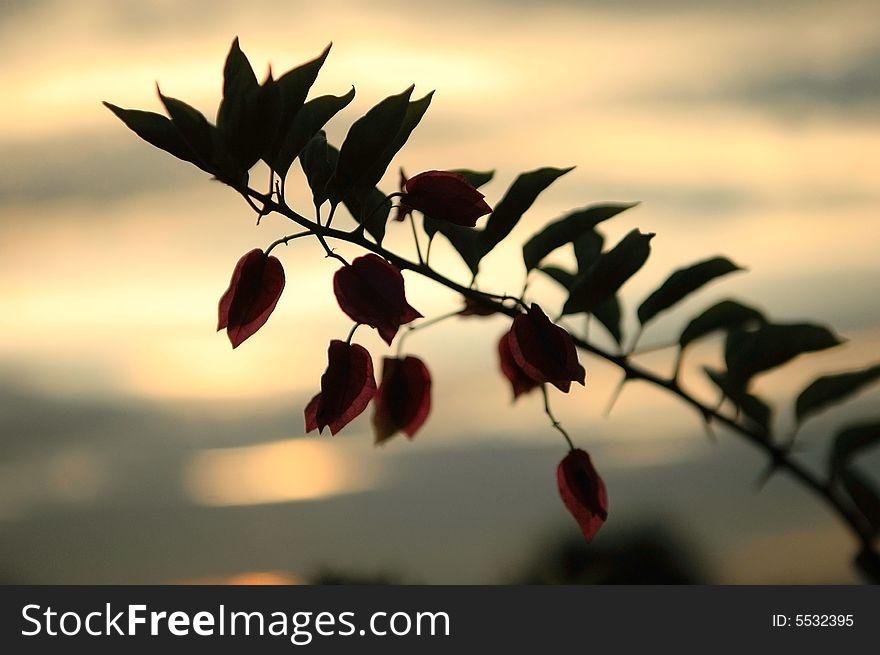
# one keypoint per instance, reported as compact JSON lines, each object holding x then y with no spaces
{"x":748,"y":129}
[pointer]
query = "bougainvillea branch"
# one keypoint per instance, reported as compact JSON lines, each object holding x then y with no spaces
{"x":275,"y":122}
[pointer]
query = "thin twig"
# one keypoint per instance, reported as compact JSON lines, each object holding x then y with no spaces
{"x":552,"y":418}
{"x":287,"y":239}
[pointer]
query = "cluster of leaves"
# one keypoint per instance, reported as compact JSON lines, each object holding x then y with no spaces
{"x":276,"y":122}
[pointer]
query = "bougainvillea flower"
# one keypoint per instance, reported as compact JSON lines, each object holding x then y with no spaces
{"x":478,"y":308}
{"x":519,"y":381}
{"x":370,"y":291}
{"x":583,"y":492}
{"x":444,"y":196}
{"x":253,"y":292}
{"x":544,"y":351}
{"x":403,"y":400}
{"x":347,"y":387}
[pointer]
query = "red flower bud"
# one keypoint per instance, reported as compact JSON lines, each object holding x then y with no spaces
{"x":544,"y":351}
{"x":403,"y":400}
{"x":445,"y":196}
{"x":583,"y":492}
{"x":253,"y":292}
{"x":347,"y":387}
{"x":371,"y":292}
{"x":520,"y":382}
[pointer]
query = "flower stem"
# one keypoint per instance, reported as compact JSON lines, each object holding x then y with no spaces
{"x":552,"y":418}
{"x":287,"y":239}
{"x":351,"y":333}
{"x":415,"y":234}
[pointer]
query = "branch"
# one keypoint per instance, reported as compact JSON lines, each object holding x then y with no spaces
{"x":779,"y":456}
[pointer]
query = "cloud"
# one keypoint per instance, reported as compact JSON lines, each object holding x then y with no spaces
{"x":95,"y":167}
{"x":848,"y":88}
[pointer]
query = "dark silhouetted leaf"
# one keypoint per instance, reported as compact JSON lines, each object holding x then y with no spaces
{"x":194,"y":128}
{"x":318,"y":161}
{"x":308,"y":120}
{"x":465,"y":240}
{"x":608,"y":314}
{"x":772,"y":345}
{"x":414,"y":112}
{"x":159,"y":131}
{"x":239,"y":82}
{"x":864,"y":496}
{"x":752,"y":406}
{"x":370,"y":208}
{"x":293,"y":89}
{"x":519,"y":197}
{"x":475,"y":178}
{"x":683,"y":282}
{"x":567,"y":230}
{"x":830,"y":389}
{"x":588,"y":249}
{"x":249,"y":113}
{"x":559,"y":275}
{"x":850,"y":441}
{"x":724,"y":315}
{"x":366,"y":142}
{"x":607,"y":275}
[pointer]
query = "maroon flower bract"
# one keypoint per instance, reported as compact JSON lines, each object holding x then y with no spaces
{"x":445,"y":196}
{"x":347,"y":387}
{"x":253,"y":292}
{"x":544,"y":351}
{"x":519,"y":381}
{"x":583,"y":492}
{"x":403,"y":400}
{"x":370,"y":291}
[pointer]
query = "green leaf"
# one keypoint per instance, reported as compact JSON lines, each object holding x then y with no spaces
{"x":682,"y":283}
{"x":753,"y":407}
{"x":559,"y":275}
{"x":772,"y":345}
{"x":318,"y":161}
{"x":850,"y":441}
{"x":159,"y":131}
{"x":293,"y":89}
{"x":475,"y":178}
{"x":830,"y":389}
{"x":566,"y":230}
{"x":366,"y":142}
{"x":864,"y":496}
{"x":724,"y":315}
{"x":308,"y":121}
{"x":588,"y":249}
{"x":607,"y":275}
{"x":414,"y":112}
{"x":519,"y":197}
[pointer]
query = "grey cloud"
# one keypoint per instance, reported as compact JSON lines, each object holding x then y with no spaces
{"x":96,"y":167}
{"x":793,"y":90}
